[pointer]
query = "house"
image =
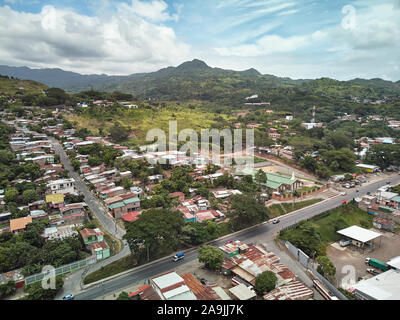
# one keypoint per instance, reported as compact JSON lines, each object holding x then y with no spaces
{"x":74,"y":208}
{"x":91,"y":236}
{"x":63,"y":186}
{"x":19,"y":225}
{"x":38,"y":214}
{"x":123,"y":204}
{"x":101,"y":250}
{"x":53,"y":233}
{"x":55,"y":201}
{"x":131,"y":216}
{"x":106,"y":194}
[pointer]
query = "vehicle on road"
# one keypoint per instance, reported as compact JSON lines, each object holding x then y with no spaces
{"x":229,"y":241}
{"x":275,"y":221}
{"x":387,"y":182}
{"x":178,"y":256}
{"x":357,"y":190}
{"x":343,"y":193}
{"x":373,"y":271}
{"x":69,"y":297}
{"x":376,"y":263}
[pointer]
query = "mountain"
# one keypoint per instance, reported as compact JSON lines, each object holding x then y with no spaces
{"x":195,"y":80}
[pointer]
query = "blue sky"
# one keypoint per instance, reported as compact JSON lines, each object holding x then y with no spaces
{"x":341,"y":39}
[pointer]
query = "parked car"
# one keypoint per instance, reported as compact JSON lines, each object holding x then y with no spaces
{"x":69,"y":297}
{"x":372,"y":271}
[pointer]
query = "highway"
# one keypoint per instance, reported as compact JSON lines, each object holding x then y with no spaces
{"x":263,"y":233}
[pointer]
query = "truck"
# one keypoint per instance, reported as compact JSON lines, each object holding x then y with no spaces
{"x":377,"y":264}
{"x":178,"y":256}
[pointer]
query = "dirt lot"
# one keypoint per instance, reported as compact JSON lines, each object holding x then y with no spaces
{"x":350,"y":256}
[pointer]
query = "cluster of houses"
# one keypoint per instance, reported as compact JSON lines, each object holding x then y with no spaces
{"x":62,"y":217}
{"x":384,"y":205}
{"x":242,"y":263}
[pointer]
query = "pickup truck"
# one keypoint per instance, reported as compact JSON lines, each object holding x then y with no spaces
{"x":178,"y":256}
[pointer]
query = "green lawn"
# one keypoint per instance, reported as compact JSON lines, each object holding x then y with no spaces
{"x":276,"y":209}
{"x":321,"y":230}
{"x":114,"y":268}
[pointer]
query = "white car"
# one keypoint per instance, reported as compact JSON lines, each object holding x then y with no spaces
{"x":343,"y":193}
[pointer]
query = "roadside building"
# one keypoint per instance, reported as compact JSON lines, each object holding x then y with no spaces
{"x":171,"y":286}
{"x":92,"y":235}
{"x":63,"y":186}
{"x":367,"y":168}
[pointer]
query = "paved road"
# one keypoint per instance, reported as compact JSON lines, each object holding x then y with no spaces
{"x":264,"y":233}
{"x":93,"y":203}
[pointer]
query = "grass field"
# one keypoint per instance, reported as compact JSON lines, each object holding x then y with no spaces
{"x":327,"y":224}
{"x":13,"y":86}
{"x":141,"y":121}
{"x":276,"y":210}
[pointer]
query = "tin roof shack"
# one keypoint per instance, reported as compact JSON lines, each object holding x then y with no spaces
{"x":385,"y":286}
{"x":360,"y":237}
{"x":384,"y":224}
{"x":242,"y":292}
{"x":171,"y":286}
{"x":294,"y":290}
{"x":231,"y":249}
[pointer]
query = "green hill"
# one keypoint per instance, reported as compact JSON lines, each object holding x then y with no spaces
{"x":11,"y":86}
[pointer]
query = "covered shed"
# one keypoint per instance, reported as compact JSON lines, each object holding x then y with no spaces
{"x":360,"y":237}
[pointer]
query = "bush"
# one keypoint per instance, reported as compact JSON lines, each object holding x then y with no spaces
{"x":265,"y":282}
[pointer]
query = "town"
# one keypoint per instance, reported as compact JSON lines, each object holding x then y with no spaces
{"x":94,"y":209}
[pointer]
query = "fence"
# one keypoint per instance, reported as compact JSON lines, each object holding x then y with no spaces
{"x":305,"y":262}
{"x":62,"y":270}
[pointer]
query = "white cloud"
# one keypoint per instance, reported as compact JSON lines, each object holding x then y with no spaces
{"x":266,"y":45}
{"x":156,"y":10}
{"x":118,"y":43}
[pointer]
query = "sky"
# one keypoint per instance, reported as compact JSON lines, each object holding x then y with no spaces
{"x":340,"y":39}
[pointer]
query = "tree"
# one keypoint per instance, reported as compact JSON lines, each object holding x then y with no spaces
{"x":211,"y":256}
{"x":155,"y":233}
{"x":265,"y":282}
{"x":123,"y":296}
{"x":36,"y":292}
{"x":11,"y":195}
{"x":119,"y":133}
{"x":261,"y":177}
{"x":29,"y":196}
{"x":246,"y":210}
{"x":326,"y":267}
{"x":7,"y":289}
